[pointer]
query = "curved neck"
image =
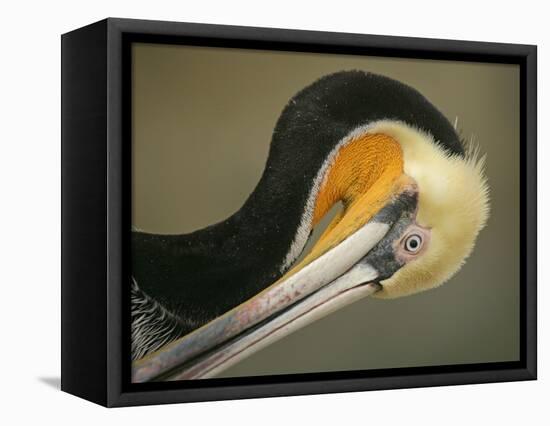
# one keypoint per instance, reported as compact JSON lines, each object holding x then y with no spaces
{"x":357,"y":171}
{"x":308,"y":132}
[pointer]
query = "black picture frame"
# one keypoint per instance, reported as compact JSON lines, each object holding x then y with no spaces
{"x":96,"y":95}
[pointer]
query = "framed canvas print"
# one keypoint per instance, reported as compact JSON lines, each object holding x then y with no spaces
{"x":252,"y":212}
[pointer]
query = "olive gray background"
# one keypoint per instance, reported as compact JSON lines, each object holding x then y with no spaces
{"x":202,"y":123}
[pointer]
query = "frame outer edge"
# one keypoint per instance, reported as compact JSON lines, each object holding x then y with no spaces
{"x":531,"y":207}
{"x":83,"y":232}
{"x":403,"y":46}
{"x":392,"y":45}
{"x":115,"y":220}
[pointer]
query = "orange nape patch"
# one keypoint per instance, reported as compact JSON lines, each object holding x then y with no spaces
{"x":365,"y":174}
{"x":369,"y":163}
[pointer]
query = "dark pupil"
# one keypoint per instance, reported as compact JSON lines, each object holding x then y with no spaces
{"x":413,"y":243}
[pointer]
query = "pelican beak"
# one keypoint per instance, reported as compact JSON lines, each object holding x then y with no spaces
{"x":340,"y":271}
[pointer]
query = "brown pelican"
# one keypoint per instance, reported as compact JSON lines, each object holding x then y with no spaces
{"x":414,"y":200}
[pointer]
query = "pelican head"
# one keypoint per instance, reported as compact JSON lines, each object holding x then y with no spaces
{"x":452,"y":208}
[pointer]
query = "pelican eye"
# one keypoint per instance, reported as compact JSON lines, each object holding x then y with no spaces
{"x":413,"y":243}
